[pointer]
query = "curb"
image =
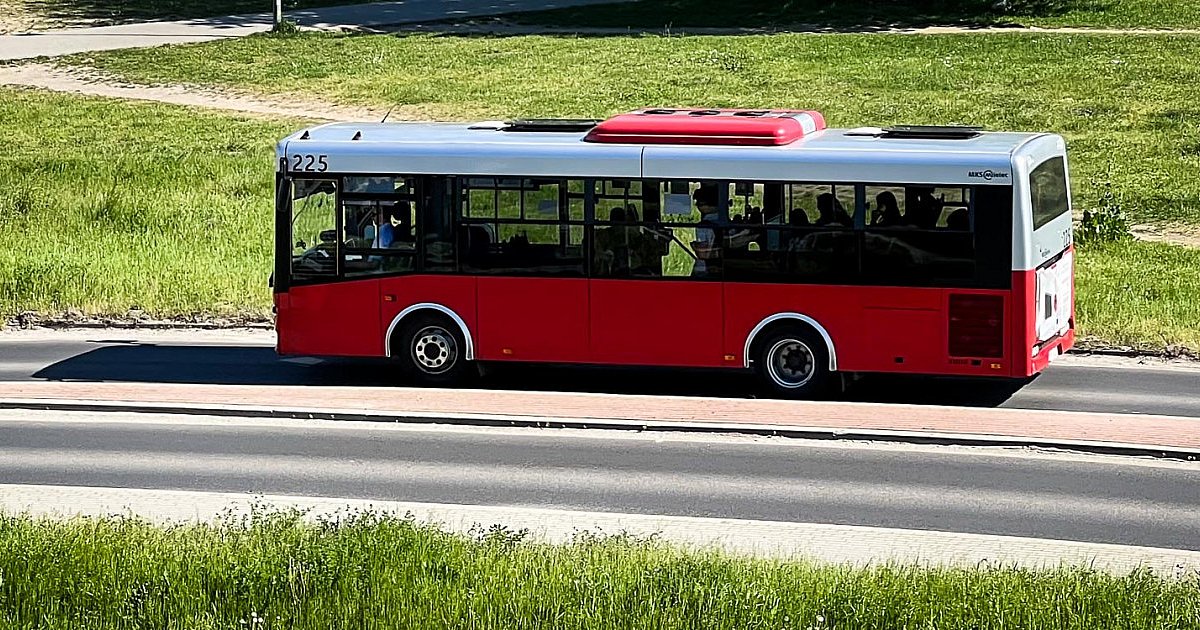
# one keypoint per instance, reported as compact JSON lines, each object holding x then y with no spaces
{"x":638,"y":425}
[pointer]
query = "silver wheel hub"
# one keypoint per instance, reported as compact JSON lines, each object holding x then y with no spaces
{"x":434,"y":349}
{"x":791,"y":363}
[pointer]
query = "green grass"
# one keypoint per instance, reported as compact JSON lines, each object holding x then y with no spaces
{"x":43,"y":14}
{"x":273,"y":571}
{"x":1129,"y":106}
{"x":867,"y":14}
{"x":105,"y":206}
{"x":1140,"y":294}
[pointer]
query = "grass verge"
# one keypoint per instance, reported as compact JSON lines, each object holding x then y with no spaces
{"x":658,"y":14}
{"x":368,"y":571}
{"x":108,"y":205}
{"x":1129,"y":106}
{"x":1139,"y":294}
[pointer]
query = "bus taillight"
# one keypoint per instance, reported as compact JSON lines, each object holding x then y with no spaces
{"x":976,"y":326}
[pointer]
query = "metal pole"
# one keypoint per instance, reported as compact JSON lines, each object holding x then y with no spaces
{"x":278,"y":12}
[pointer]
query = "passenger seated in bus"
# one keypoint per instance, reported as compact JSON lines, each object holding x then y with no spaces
{"x":924,"y":210}
{"x":705,"y":245}
{"x":831,"y":212}
{"x":797,"y":217}
{"x":640,"y":243}
{"x":887,"y":211}
{"x":612,"y":248}
{"x":740,"y":239}
{"x":653,"y":245}
{"x":475,"y":245}
{"x":959,"y":220}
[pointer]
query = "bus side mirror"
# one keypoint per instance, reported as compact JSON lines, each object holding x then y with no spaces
{"x":329,"y":236}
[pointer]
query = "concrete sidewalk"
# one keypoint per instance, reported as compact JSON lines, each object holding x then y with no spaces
{"x":1092,"y":432}
{"x":77,"y":40}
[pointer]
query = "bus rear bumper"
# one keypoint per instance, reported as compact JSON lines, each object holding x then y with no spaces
{"x":1050,"y":351}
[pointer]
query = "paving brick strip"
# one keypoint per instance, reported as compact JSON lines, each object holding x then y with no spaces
{"x":1130,"y":434}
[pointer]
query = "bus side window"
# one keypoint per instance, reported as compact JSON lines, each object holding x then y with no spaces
{"x":932,"y":244}
{"x":515,"y":226}
{"x":806,"y":234}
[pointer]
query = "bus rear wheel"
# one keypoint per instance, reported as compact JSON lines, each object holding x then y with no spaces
{"x":431,"y":351}
{"x":794,"y":364}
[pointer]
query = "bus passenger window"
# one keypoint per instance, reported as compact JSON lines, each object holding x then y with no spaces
{"x":515,"y":226}
{"x":932,"y":245}
{"x":806,"y":235}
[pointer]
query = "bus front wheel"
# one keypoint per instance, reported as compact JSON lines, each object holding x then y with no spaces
{"x":795,"y":364}
{"x":431,"y":351}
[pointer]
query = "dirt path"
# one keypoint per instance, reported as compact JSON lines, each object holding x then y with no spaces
{"x":58,"y":79}
{"x":1175,"y":233}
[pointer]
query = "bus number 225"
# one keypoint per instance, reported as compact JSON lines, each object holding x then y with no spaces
{"x":310,"y":163}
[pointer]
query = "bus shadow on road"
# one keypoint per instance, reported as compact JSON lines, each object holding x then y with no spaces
{"x":258,"y":365}
{"x":210,"y":364}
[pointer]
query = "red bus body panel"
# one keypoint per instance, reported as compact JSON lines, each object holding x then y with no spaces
{"x":664,"y":323}
{"x":532,"y":319}
{"x":338,"y":319}
{"x":656,"y":322}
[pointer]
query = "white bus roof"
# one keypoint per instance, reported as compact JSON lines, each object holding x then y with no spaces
{"x":829,"y":155}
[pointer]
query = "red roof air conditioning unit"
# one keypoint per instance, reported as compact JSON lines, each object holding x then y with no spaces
{"x":708,"y":126}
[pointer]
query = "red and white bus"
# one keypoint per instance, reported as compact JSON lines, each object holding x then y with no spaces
{"x":750,"y":240}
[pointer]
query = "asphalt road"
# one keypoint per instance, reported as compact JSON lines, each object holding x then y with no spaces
{"x":248,"y":358}
{"x":1057,"y":496}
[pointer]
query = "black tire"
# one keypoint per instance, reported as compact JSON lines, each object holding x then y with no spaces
{"x":431,"y":351}
{"x":794,"y":363}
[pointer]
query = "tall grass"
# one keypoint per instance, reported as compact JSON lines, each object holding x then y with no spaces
{"x":272,"y":570}
{"x":107,"y":206}
{"x":1139,"y":294}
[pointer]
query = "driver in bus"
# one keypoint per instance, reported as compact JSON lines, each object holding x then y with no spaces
{"x":383,"y":234}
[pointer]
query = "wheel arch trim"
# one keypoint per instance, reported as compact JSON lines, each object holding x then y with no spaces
{"x":747,"y":360}
{"x":430,"y":306}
